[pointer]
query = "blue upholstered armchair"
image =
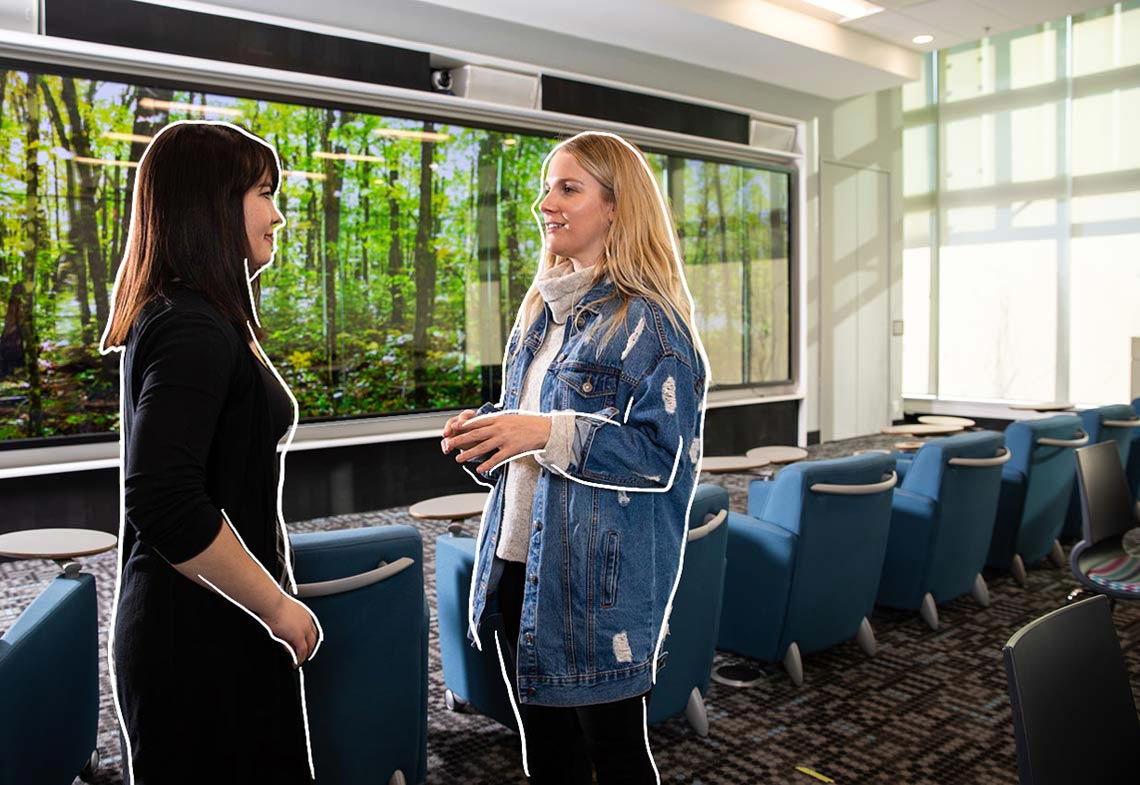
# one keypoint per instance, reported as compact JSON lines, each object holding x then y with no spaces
{"x":49,"y":687}
{"x":367,"y":684}
{"x":1117,"y":423}
{"x":942,"y":523}
{"x":695,"y":620}
{"x":804,"y":564}
{"x":1035,"y":488}
{"x":474,"y":678}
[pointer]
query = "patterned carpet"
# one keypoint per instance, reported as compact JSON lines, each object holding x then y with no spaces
{"x":930,"y":708}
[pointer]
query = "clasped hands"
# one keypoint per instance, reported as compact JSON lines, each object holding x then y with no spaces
{"x":494,"y":438}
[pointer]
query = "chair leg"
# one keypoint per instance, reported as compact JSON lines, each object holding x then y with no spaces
{"x":929,"y":611}
{"x":453,"y":701}
{"x":866,"y":638}
{"x":695,"y":713}
{"x":793,"y":664}
{"x":1057,"y":556}
{"x":91,"y":767}
{"x":397,"y":778}
{"x":1018,"y":569}
{"x":981,"y":592}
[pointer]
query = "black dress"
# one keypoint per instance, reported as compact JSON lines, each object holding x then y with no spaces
{"x":206,"y":695}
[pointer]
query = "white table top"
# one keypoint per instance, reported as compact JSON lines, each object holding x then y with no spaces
{"x":732,"y":463}
{"x":1042,"y":407}
{"x":945,"y":419}
{"x":871,"y":452}
{"x":450,"y":508}
{"x":908,"y":446}
{"x":778,"y":453}
{"x":917,"y":429}
{"x":55,"y":543}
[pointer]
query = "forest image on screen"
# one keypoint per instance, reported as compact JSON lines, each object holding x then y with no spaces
{"x":407,"y":249}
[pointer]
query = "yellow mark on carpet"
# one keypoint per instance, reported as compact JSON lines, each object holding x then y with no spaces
{"x":813,"y":773}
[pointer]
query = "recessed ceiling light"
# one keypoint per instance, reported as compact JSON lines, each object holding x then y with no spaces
{"x":922,"y":39}
{"x":850,"y":10}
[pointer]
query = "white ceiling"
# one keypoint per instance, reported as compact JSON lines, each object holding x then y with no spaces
{"x":788,"y":43}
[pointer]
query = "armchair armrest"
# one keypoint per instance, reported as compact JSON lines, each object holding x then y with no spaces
{"x":382,"y":572}
{"x":1076,"y":441}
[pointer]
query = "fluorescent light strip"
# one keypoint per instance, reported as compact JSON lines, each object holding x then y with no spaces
{"x":79,"y":159}
{"x":375,"y":159}
{"x":423,"y":136}
{"x":306,"y":175}
{"x":121,"y":137}
{"x":178,"y":106}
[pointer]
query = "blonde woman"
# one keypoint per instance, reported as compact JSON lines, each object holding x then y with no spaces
{"x":593,"y":451}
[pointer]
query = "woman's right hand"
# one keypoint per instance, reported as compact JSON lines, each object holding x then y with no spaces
{"x":295,"y":626}
{"x":454,"y":427}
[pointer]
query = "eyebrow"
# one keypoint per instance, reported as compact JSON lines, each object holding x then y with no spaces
{"x":564,"y":180}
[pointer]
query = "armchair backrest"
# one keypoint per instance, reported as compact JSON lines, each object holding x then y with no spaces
{"x":694,"y":622}
{"x":367,"y":684}
{"x":841,"y":546}
{"x":49,"y":662}
{"x":962,"y":474}
{"x":1042,"y":450}
{"x":1106,"y":503}
{"x":1104,"y":424}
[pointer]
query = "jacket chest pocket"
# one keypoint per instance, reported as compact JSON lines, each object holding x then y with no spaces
{"x":588,"y":389}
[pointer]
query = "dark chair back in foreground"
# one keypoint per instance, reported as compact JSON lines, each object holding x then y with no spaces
{"x":1073,"y":713}
{"x":1106,"y":503}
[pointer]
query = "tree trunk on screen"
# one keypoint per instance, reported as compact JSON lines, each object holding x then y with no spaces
{"x":721,"y":219}
{"x":330,"y":201}
{"x":487,"y":224}
{"x":86,"y":224}
{"x":366,"y":229}
{"x":425,"y":278}
{"x":516,"y":286}
{"x":148,"y":121}
{"x":676,"y":174}
{"x":395,"y":253}
{"x":33,"y":231}
{"x":75,"y":253}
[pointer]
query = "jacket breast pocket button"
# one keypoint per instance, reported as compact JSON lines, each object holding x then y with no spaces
{"x":587,"y":387}
{"x":531,"y":692}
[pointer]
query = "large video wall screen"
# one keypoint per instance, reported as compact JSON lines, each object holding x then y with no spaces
{"x":408,"y":247}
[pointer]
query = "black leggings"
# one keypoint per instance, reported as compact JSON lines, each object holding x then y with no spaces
{"x":565,"y":742}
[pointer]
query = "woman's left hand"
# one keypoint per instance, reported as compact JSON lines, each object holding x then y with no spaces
{"x":500,"y":437}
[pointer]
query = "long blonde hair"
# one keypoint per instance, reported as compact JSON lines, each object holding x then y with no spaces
{"x":640,"y":254}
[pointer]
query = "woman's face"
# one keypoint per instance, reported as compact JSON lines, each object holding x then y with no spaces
{"x":262,"y":218}
{"x":576,"y":211}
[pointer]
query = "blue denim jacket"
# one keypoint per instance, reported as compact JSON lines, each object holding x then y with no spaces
{"x":608,"y":534}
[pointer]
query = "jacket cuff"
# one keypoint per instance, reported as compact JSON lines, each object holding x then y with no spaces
{"x":559,"y":449}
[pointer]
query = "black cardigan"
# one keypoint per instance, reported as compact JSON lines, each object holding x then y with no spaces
{"x":198,"y":434}
{"x":206,"y":694}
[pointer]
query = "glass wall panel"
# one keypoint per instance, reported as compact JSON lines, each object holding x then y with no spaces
{"x":998,"y":320}
{"x":408,"y":246}
{"x":1103,"y":298}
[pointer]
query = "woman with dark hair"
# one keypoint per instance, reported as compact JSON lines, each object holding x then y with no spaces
{"x":206,"y":643}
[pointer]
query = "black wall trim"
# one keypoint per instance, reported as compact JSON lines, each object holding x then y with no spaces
{"x":649,"y":111}
{"x":176,"y":31}
{"x":340,"y":480}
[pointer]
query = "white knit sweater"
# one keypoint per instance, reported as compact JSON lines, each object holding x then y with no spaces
{"x":561,"y":288}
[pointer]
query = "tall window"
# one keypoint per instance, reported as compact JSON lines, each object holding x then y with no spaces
{"x":408,"y":247}
{"x":1022,"y":227}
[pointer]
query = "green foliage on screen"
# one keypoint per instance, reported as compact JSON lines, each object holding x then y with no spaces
{"x":408,"y":247}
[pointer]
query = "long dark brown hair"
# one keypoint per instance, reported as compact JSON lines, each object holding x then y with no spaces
{"x":188,"y":222}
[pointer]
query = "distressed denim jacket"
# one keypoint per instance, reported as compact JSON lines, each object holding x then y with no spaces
{"x":608,"y":532}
